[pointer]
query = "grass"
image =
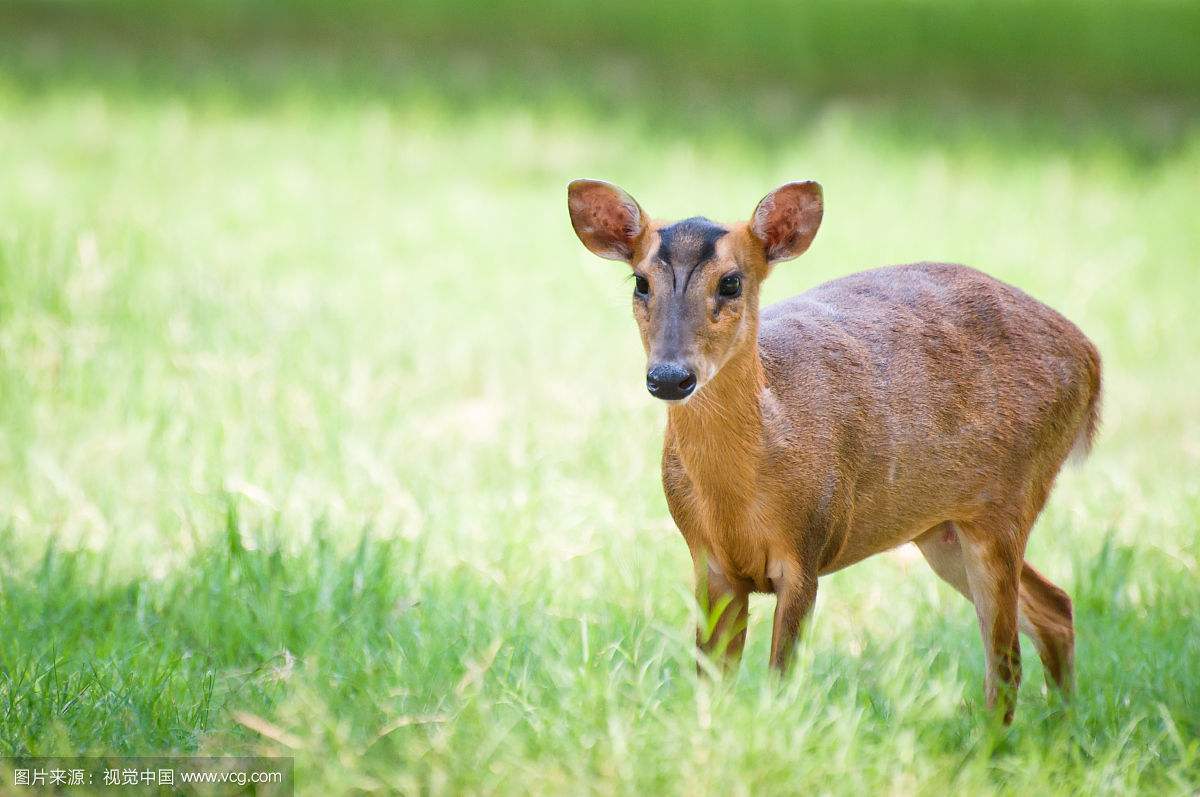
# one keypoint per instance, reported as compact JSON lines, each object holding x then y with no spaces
{"x":312,"y":409}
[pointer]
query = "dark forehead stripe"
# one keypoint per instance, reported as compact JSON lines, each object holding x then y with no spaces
{"x":688,"y":242}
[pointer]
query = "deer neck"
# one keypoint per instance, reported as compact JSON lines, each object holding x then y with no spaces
{"x":719,"y":433}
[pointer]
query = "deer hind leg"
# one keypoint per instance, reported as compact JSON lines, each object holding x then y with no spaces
{"x":1043,"y":609}
{"x":987,"y":569}
{"x":1045,"y":615}
{"x":993,"y":557}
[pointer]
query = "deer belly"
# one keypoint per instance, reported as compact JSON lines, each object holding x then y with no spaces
{"x":865,"y":539}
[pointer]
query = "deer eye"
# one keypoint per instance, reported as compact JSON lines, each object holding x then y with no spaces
{"x":730,"y":286}
{"x":641,"y":285}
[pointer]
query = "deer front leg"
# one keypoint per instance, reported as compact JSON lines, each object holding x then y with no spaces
{"x":724,"y":610}
{"x":795,"y":592}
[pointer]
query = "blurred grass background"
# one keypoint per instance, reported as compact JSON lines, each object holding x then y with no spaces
{"x":312,"y":409}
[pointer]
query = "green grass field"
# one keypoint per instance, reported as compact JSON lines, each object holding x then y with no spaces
{"x":320,"y":434}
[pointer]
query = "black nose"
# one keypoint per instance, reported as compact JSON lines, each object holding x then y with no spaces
{"x":670,"y":382}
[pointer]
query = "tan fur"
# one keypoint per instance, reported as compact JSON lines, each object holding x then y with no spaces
{"x":926,"y":402}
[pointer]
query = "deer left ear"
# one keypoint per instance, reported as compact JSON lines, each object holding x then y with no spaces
{"x":786,"y":220}
{"x":607,"y":220}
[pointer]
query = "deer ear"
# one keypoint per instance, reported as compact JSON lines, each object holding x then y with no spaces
{"x":607,"y":220}
{"x":786,"y":220}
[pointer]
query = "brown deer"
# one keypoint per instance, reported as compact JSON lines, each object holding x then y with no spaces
{"x":925,"y":403}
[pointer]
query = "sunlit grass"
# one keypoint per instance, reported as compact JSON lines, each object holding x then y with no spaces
{"x":317,"y":411}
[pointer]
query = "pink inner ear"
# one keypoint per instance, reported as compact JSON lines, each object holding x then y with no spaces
{"x":607,"y":223}
{"x":614,"y":220}
{"x":787,"y":220}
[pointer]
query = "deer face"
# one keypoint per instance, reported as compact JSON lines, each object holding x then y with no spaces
{"x":696,"y":283}
{"x":694,"y":299}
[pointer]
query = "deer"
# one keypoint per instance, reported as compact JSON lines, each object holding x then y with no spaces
{"x":926,"y":403}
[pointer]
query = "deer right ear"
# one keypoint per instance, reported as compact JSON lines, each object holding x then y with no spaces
{"x":607,"y":220}
{"x":786,"y":220}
